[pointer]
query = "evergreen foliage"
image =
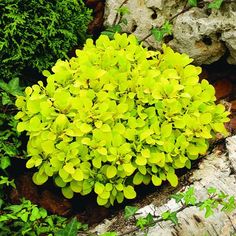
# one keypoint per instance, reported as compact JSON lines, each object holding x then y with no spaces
{"x":35,"y":33}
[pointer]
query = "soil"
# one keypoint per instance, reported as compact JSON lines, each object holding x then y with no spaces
{"x":221,"y":75}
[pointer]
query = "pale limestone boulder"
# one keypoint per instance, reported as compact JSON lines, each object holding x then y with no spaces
{"x":203,"y":34}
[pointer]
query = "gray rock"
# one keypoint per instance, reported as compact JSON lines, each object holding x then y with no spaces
{"x":205,"y":35}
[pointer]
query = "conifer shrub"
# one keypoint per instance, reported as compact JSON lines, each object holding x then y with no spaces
{"x":35,"y":33}
{"x":116,"y":116}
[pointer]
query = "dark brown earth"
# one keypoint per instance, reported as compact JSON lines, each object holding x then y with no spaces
{"x":220,"y":74}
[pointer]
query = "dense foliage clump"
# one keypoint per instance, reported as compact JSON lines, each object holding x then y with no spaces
{"x":35,"y":33}
{"x":116,"y":116}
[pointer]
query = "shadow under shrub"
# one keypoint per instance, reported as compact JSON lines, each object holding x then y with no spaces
{"x":116,"y":116}
{"x":35,"y":33}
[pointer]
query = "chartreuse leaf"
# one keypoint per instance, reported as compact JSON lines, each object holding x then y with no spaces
{"x":166,"y":130}
{"x":78,"y":174}
{"x":99,"y":188}
{"x":138,"y":178}
{"x":40,"y":179}
{"x":141,"y":161}
{"x":59,"y":182}
{"x":129,"y":192}
{"x":111,"y":171}
{"x":101,"y":201}
{"x":156,"y":180}
{"x":67,"y":192}
{"x":76,"y":186}
{"x":172,"y":178}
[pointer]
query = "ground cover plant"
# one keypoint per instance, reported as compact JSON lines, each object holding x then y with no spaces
{"x":34,"y":34}
{"x":116,"y":116}
{"x":28,"y":219}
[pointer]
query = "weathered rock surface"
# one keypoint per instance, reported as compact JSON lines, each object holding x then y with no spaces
{"x":204,"y":34}
{"x":217,"y":171}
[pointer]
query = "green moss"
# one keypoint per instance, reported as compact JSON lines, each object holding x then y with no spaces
{"x":116,"y":116}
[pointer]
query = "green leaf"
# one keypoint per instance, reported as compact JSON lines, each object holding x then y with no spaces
{"x":173,"y":217}
{"x":35,"y":214}
{"x":209,"y":212}
{"x":192,"y":3}
{"x":215,"y":4}
{"x":211,"y":190}
{"x":123,"y":10}
{"x":178,"y":197}
{"x":141,"y":222}
{"x":165,"y":215}
{"x":6,"y":100}
{"x":14,"y":87}
{"x":157,"y":34}
{"x":229,"y":205}
{"x":24,"y":216}
{"x":5,"y":162}
{"x":70,"y":229}
{"x":130,"y":211}
{"x":189,"y":197}
{"x":167,"y":28}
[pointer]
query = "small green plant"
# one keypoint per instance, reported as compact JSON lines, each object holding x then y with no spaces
{"x":117,"y":116}
{"x":72,"y":229}
{"x":187,"y":199}
{"x":119,"y":20}
{"x":31,"y":220}
{"x":157,"y":32}
{"x":9,"y":137}
{"x":215,"y":4}
{"x":35,"y":33}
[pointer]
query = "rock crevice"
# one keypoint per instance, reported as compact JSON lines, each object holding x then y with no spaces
{"x":204,"y":34}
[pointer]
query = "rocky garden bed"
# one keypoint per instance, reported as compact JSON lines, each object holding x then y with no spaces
{"x":207,"y":34}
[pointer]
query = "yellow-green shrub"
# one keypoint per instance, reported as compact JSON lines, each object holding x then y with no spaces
{"x":116,"y":116}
